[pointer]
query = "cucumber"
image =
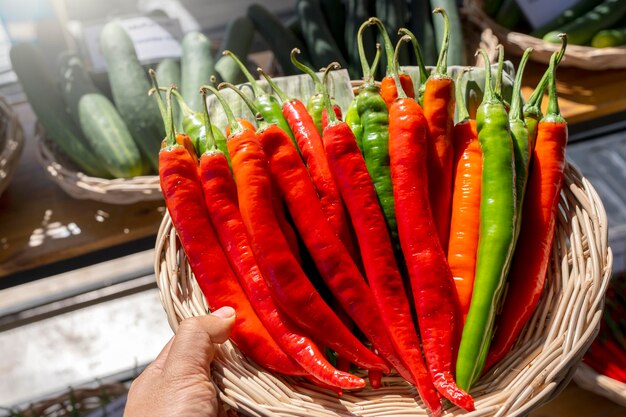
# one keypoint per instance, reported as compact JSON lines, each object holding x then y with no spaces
{"x":582,"y":29}
{"x":168,"y":73}
{"x":237,"y":39}
{"x":421,"y":25}
{"x":509,"y":15}
{"x":581,"y":7}
{"x":47,"y":102}
{"x":456,"y":50}
{"x":196,"y":67}
{"x":279,"y":39}
{"x":609,"y":37}
{"x":99,"y":120}
{"x":335,"y":16}
{"x":357,"y":12}
{"x":322,"y":47}
{"x":130,"y":85}
{"x":392,"y":14}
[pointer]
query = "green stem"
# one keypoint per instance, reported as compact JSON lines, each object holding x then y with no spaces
{"x":330,"y":112}
{"x":537,"y":96}
{"x":418,"y":53}
{"x":247,"y":100}
{"x":258,"y":91}
{"x":280,"y":93}
{"x":367,"y":72}
{"x":553,"y":100}
{"x":396,"y":65}
{"x":307,"y":70}
{"x":460,"y":97}
{"x":389,"y":49}
{"x":516,"y":102}
{"x":376,"y":61}
{"x":155,"y":90}
{"x":232,"y":121}
{"x":499,"y":73}
{"x":488,"y":94}
{"x":442,"y":63}
{"x":210,"y":139}
{"x":170,"y":135}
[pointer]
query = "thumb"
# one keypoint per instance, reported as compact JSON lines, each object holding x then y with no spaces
{"x":192,"y":348}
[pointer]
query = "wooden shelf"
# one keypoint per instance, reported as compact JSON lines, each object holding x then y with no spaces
{"x":40,"y":224}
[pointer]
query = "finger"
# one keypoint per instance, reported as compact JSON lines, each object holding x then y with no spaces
{"x":159,"y":361}
{"x":192,"y":349}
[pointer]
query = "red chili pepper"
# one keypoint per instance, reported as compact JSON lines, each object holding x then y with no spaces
{"x":244,"y":123}
{"x":331,"y":257}
{"x":221,"y":197}
{"x":465,"y":217}
{"x":528,"y":271}
{"x":388,"y":89}
{"x":358,"y":191}
{"x":310,"y":144}
{"x":436,"y":302}
{"x":439,"y":113}
{"x":182,"y":190}
{"x":338,"y":114}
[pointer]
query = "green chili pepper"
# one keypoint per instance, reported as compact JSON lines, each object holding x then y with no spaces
{"x":497,"y":224}
{"x":519,"y":135}
{"x":532,"y":108}
{"x":374,"y":116}
{"x":269,"y":106}
{"x":352,"y":115}
{"x":194,"y":126}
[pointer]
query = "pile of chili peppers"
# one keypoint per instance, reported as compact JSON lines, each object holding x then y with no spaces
{"x":387,"y":239}
{"x":607,"y":354}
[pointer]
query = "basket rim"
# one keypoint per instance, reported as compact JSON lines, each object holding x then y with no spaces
{"x":85,"y":187}
{"x":536,"y":379}
{"x":13,"y":146}
{"x":579,"y":56}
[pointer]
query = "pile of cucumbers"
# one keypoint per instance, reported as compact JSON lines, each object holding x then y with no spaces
{"x":596,"y":23}
{"x":118,"y":133}
{"x":326,"y":31}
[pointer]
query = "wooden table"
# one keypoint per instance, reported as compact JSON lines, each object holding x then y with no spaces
{"x":40,"y":224}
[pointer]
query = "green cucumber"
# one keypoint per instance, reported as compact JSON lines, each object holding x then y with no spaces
{"x":130,"y":86}
{"x":582,"y":29}
{"x":509,"y":15}
{"x":237,"y":39}
{"x":421,"y":24}
{"x":609,"y":37}
{"x":196,"y":67}
{"x":279,"y":39}
{"x":168,"y":73}
{"x":99,"y":120}
{"x":335,"y":16}
{"x":47,"y":102}
{"x":322,"y":47}
{"x":357,"y":12}
{"x":581,"y":7}
{"x":456,"y":50}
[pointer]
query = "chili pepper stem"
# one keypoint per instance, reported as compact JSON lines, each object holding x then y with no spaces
{"x":170,"y":135}
{"x":280,"y":93}
{"x":516,"y":102}
{"x":418,"y":53}
{"x":247,"y":100}
{"x":258,"y":91}
{"x":389,"y":49}
{"x":396,"y":76}
{"x":232,"y":121}
{"x":534,"y":102}
{"x":553,"y":113}
{"x":488,"y":94}
{"x":460,"y":100}
{"x":332,"y":117}
{"x":210,"y":139}
{"x":498,"y":88}
{"x":305,"y":69}
{"x":442,"y":63}
{"x":367,"y":72}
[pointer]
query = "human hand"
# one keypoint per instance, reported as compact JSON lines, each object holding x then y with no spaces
{"x":178,"y":382}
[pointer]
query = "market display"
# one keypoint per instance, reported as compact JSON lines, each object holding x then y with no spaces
{"x":310,"y":232}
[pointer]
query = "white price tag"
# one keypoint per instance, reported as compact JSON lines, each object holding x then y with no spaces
{"x":540,"y":12}
{"x":154,"y":39}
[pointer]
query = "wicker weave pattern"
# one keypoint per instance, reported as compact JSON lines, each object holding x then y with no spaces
{"x":540,"y":366}
{"x":84,"y":187}
{"x":11,"y":144}
{"x":585,"y":57}
{"x":587,"y":378}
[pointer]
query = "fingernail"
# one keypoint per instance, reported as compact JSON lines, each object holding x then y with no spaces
{"x":224,"y":312}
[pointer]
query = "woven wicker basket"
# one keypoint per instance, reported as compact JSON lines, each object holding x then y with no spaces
{"x":78,"y":401}
{"x":84,"y":187}
{"x":587,"y":378}
{"x":539,"y":367}
{"x":585,"y":57}
{"x":11,"y":143}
